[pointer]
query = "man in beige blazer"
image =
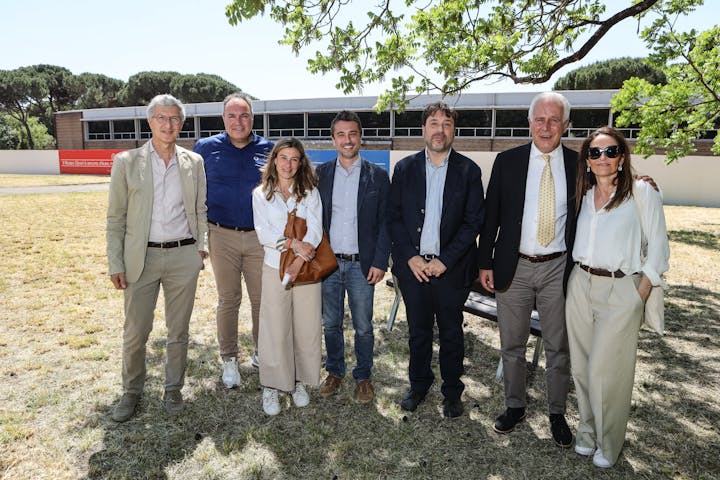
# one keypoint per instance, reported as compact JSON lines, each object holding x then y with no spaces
{"x":156,"y":235}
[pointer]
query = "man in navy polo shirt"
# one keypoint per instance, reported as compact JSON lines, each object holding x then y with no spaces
{"x":233,"y":160}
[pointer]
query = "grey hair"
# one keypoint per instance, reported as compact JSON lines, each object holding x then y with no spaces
{"x":165,"y":100}
{"x":241,"y":96}
{"x":550,"y":96}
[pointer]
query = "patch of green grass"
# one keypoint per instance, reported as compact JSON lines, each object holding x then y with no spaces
{"x":708,"y":240}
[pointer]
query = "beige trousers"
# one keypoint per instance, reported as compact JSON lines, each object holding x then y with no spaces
{"x":235,"y":255}
{"x":603,"y":319}
{"x":176,"y":269}
{"x":289,"y":343}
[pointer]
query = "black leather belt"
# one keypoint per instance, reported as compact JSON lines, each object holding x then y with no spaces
{"x":348,"y":257}
{"x":541,"y":258}
{"x":602,"y":273}
{"x":173,"y":244}
{"x":237,"y":229}
{"x":429,"y":256}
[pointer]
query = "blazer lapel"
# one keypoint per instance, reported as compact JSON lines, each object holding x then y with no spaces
{"x":452,"y":180}
{"x":420,"y":181}
{"x":363,"y":183}
{"x":186,"y":181}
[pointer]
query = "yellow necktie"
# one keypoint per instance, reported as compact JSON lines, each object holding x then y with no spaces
{"x":546,"y":205}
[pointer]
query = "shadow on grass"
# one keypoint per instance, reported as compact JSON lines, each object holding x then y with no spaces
{"x":695,"y":237}
{"x":224,"y":434}
{"x":677,"y":419}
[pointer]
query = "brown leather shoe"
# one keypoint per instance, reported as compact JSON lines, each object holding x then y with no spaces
{"x":364,"y":391}
{"x":330,"y":386}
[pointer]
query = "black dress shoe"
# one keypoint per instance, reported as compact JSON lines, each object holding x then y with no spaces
{"x":506,"y":422}
{"x":560,"y":431}
{"x":411,"y":400}
{"x":452,"y":408}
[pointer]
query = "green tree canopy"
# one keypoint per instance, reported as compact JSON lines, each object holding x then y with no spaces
{"x":143,"y":86}
{"x":202,"y":87}
{"x":9,"y":136}
{"x":99,"y":91}
{"x":426,"y":46}
{"x":14,"y":136}
{"x":687,"y":108}
{"x":609,"y":74}
{"x":18,"y":89}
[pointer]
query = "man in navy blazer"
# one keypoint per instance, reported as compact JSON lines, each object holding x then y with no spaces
{"x":434,"y":213}
{"x":354,"y":197}
{"x":526,"y":268}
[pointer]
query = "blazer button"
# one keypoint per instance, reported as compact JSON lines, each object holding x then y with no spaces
{"x":422,"y":210}
{"x":419,"y":229}
{"x":417,"y":247}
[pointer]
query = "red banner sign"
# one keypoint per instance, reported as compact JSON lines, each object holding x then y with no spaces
{"x":89,"y":162}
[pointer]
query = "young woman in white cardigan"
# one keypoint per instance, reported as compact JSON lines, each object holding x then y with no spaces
{"x":289,"y":337}
{"x":608,"y":288}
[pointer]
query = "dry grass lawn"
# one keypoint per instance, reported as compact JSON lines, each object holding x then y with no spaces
{"x":20,"y":180}
{"x":60,"y":336}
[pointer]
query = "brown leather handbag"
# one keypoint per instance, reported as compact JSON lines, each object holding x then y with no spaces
{"x":322,"y":265}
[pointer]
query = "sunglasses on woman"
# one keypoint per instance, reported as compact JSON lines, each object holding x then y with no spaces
{"x":610,"y":152}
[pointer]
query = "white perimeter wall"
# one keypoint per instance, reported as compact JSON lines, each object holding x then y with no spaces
{"x":692,"y":180}
{"x":45,"y":162}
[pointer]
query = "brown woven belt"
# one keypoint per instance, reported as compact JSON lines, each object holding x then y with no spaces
{"x":602,"y":273}
{"x":541,"y":258}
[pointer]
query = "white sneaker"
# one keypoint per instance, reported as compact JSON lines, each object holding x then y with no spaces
{"x":600,"y":461}
{"x":271,"y":401}
{"x":300,"y":395}
{"x":255,"y":360}
{"x":584,"y":451}
{"x":230,"y":373}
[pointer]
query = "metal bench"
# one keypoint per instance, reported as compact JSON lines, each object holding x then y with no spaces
{"x":481,"y":304}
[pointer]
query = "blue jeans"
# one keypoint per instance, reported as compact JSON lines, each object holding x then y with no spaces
{"x":348,"y":278}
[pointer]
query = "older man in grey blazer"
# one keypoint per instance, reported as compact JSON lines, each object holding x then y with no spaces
{"x":156,"y":235}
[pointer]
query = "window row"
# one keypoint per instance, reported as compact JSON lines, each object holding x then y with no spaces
{"x":470,"y":123}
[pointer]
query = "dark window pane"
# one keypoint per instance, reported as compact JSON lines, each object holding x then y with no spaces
{"x":124,"y":126}
{"x":99,"y":127}
{"x":474,"y":118}
{"x":589,"y":118}
{"x":320,"y":120}
{"x":374,"y":120}
{"x":287,"y":121}
{"x":511,"y":118}
{"x":408,"y":119}
{"x":211,"y":123}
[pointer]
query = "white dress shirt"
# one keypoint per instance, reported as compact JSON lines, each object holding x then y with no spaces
{"x":270,"y":218}
{"x":169,"y":220}
{"x":528,"y":238}
{"x":611,"y":239}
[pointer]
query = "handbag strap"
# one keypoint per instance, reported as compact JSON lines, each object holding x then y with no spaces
{"x":289,"y":223}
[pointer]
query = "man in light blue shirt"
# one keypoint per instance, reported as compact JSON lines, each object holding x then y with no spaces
{"x":354,"y":194}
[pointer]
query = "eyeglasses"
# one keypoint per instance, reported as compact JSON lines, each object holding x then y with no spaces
{"x":166,"y":119}
{"x":610,"y":152}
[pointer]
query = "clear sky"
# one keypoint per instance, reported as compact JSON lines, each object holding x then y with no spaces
{"x":122,"y":37}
